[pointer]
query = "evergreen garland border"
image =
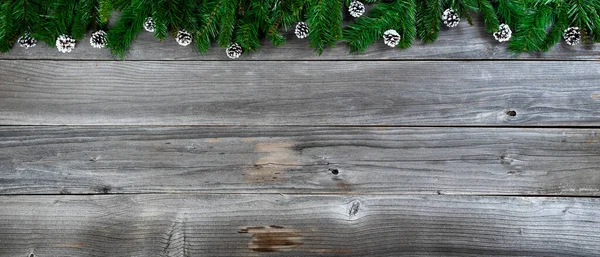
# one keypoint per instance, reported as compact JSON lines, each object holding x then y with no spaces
{"x":534,"y":25}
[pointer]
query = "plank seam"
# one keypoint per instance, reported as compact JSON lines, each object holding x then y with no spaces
{"x":313,"y":60}
{"x":301,"y":126}
{"x":314,"y":194}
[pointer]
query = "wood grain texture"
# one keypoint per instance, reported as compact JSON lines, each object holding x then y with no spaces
{"x":299,"y":93}
{"x":99,"y":160}
{"x":285,"y":225}
{"x":462,"y":42}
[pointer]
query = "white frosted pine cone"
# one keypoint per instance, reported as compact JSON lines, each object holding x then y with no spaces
{"x":572,"y":36}
{"x":391,"y":37}
{"x":98,"y":39}
{"x":65,"y":43}
{"x":27,"y":40}
{"x":301,"y":30}
{"x":184,"y":38}
{"x":149,"y":24}
{"x":503,"y":34}
{"x":234,"y":51}
{"x":356,"y":9}
{"x":450,"y":18}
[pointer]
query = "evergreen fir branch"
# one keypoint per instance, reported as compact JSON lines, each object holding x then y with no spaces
{"x":489,"y":15}
{"x":188,"y":15}
{"x":128,"y":27}
{"x":120,"y":4}
{"x":248,"y":30}
{"x":594,"y":9}
{"x":60,"y":20}
{"x":27,"y":14}
{"x":292,"y":12}
{"x":208,"y":27}
{"x":578,"y":14}
{"x":85,"y":13}
{"x":431,"y":17}
{"x":585,"y":16}
{"x":510,"y":11}
{"x":561,"y":22}
{"x":324,"y":23}
{"x":408,"y":30}
{"x":105,"y":8}
{"x":284,"y":14}
{"x":161,"y":13}
{"x":421,"y":10}
{"x":247,"y":35}
{"x":18,"y":17}
{"x":8,"y":32}
{"x":462,"y":7}
{"x":531,"y":30}
{"x":227,"y":18}
{"x":272,"y":33}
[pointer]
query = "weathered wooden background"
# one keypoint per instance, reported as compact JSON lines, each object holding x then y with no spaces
{"x":458,"y":148}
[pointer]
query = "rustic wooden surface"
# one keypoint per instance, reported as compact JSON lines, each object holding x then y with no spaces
{"x":430,"y":93}
{"x":92,"y":160}
{"x":458,"y":148}
{"x":298,"y":225}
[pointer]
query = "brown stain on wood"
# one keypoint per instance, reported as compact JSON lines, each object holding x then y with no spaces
{"x":213,"y":140}
{"x":593,"y":138}
{"x":272,"y":238}
{"x":343,"y":186}
{"x":276,"y":158}
{"x":595,"y":96}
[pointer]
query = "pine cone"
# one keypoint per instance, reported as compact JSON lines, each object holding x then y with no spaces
{"x":98,"y":39}
{"x":65,"y":43}
{"x":503,"y":34}
{"x":27,"y":40}
{"x":234,"y":51}
{"x":391,"y":38}
{"x":356,"y":9}
{"x":184,"y":38}
{"x":149,"y":24}
{"x":301,"y":30}
{"x":572,"y":35}
{"x":450,"y":18}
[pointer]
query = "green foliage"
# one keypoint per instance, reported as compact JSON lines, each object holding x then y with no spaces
{"x":247,"y":30}
{"x":324,"y":23}
{"x":105,"y":8}
{"x":531,"y":32}
{"x":85,"y":11}
{"x":209,"y":13}
{"x":128,"y":27}
{"x":510,"y":11}
{"x":8,"y":32}
{"x":489,"y":15}
{"x":537,"y":24}
{"x":560,"y":23}
{"x":18,"y":17}
{"x":60,"y":20}
{"x":368,"y":29}
{"x":430,"y":16}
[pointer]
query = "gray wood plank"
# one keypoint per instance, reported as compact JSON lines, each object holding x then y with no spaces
{"x":483,"y":161}
{"x":286,"y":225}
{"x":462,"y":42}
{"x":300,"y":93}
